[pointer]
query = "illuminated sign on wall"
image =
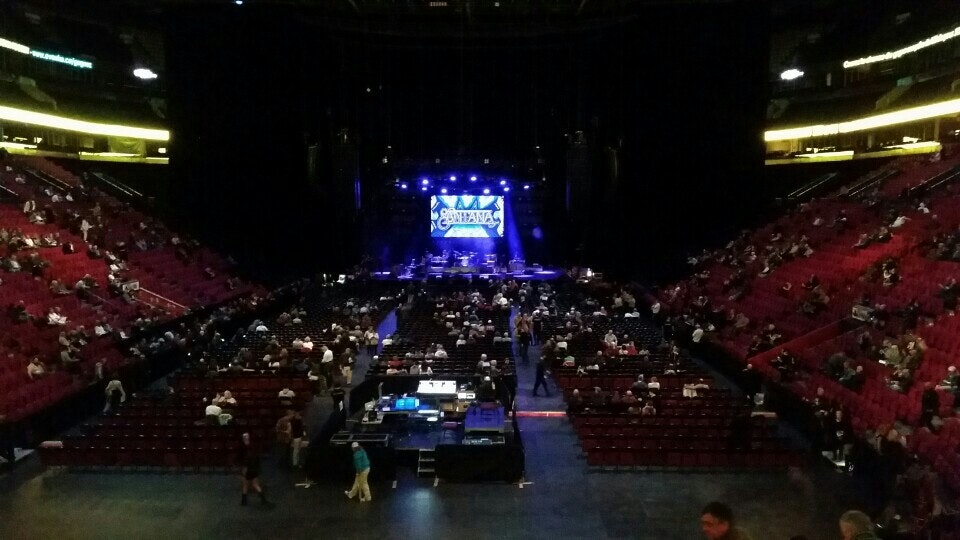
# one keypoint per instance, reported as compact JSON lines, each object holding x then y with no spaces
{"x":893,"y":55}
{"x":75,"y":62}
{"x":49,"y":57}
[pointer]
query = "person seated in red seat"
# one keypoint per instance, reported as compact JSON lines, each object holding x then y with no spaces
{"x":785,"y":364}
{"x":785,"y":289}
{"x":630,"y":349}
{"x":863,"y":241}
{"x":35,"y":369}
{"x":812,"y":282}
{"x":18,"y":312}
{"x":225,"y":400}
{"x":10,"y":264}
{"x":853,"y":379}
{"x":58,"y":288}
{"x":55,"y":317}
{"x":575,"y":403}
{"x":648,"y":409}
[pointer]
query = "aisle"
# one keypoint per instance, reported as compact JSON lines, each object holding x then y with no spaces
{"x":526,"y":376}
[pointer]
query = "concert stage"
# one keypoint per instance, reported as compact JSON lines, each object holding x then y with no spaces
{"x":544,"y":274}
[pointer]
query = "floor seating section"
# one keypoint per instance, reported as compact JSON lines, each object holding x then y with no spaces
{"x":420,"y":328}
{"x":171,"y":433}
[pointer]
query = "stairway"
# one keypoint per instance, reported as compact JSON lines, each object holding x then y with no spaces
{"x":426,"y":464}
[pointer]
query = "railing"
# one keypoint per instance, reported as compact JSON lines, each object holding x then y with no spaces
{"x":149,"y":297}
{"x":934,"y":182}
{"x":872,"y":180}
{"x":812,"y":186}
{"x":117,"y":185}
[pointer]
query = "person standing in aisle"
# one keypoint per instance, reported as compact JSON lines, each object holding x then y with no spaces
{"x":541,"y":379}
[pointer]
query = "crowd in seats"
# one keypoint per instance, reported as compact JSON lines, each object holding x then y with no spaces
{"x":636,"y":399}
{"x":231,"y":382}
{"x":69,"y":297}
{"x":890,"y":368}
{"x":134,"y":246}
{"x":453,"y":329}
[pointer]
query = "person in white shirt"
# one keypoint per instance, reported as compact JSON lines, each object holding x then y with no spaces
{"x":610,"y":339}
{"x":261,"y":328}
{"x":654,"y":384}
{"x":388,"y":341}
{"x":212,"y":414}
{"x":307,"y":345}
{"x":461,"y":341}
{"x":85,"y":228}
{"x":441,"y":354}
{"x":54,"y":318}
{"x":899,"y":222}
{"x":372,"y":339}
{"x":327,"y":354}
{"x":297,"y":344}
{"x":697,"y":334}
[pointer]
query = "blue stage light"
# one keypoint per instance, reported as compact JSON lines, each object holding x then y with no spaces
{"x":444,"y":191}
{"x":486,"y":191}
{"x":453,"y":178}
{"x":403,"y":185}
{"x":424,"y":181}
{"x":473,"y":178}
{"x":526,"y":186}
{"x":503,"y":182}
{"x":424,"y":188}
{"x":506,"y":188}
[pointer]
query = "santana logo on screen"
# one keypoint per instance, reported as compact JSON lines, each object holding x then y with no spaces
{"x":466,"y":216}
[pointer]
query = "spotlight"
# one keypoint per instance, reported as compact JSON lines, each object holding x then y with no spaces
{"x":526,"y":186}
{"x":503,"y":182}
{"x":473,"y":178}
{"x":486,"y":191}
{"x":791,"y":74}
{"x":144,"y":73}
{"x":444,"y":191}
{"x":238,"y":2}
{"x":506,"y":188}
{"x":453,"y":178}
{"x":424,"y":188}
{"x":403,"y":185}
{"x":424,"y":181}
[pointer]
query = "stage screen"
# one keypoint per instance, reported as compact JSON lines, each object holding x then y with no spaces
{"x":466,"y":216}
